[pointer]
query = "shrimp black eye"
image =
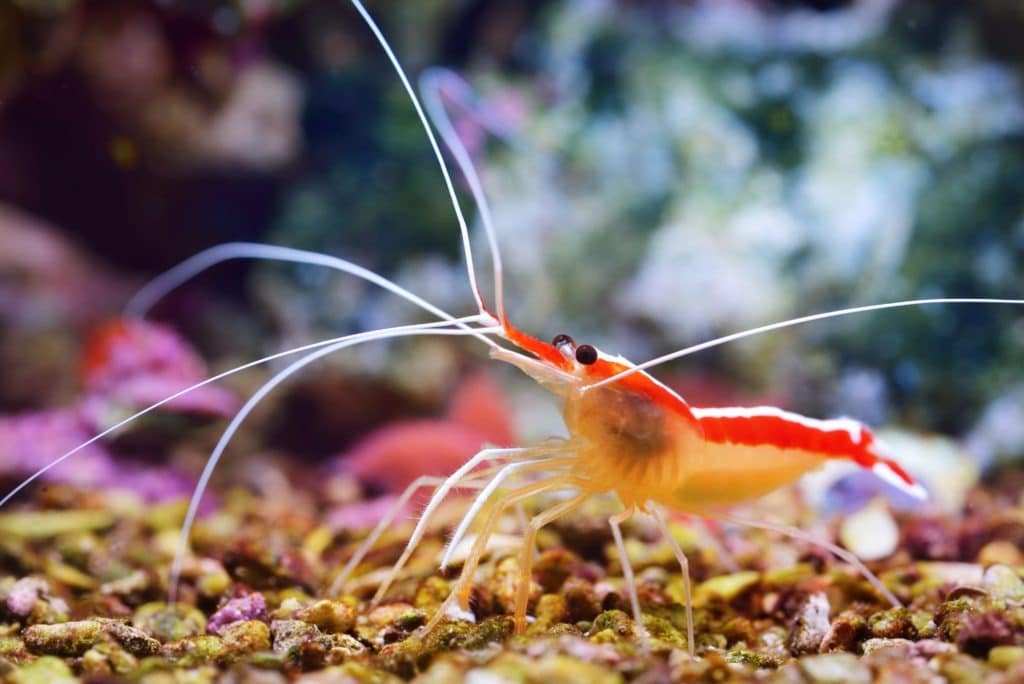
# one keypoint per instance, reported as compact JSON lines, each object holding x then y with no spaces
{"x":586,"y":354}
{"x":563,"y":339}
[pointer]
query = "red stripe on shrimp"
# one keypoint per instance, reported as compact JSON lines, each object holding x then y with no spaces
{"x":840,"y":438}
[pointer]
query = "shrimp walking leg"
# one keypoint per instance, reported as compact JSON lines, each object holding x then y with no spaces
{"x":460,"y":591}
{"x":526,"y":553}
{"x":476,"y":481}
{"x":488,"y":491}
{"x":615,"y":523}
{"x":684,"y":567}
{"x":837,"y":551}
{"x":439,"y":494}
{"x":464,"y":583}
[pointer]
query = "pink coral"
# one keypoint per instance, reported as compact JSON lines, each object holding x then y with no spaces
{"x":32,"y":440}
{"x":393,"y":456}
{"x":127,"y":363}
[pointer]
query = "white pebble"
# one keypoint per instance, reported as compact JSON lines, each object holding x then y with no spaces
{"x":870,"y":533}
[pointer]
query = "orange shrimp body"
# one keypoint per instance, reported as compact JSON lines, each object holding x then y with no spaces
{"x":641,"y":440}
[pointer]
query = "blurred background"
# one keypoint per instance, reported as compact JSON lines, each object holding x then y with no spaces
{"x":667,"y":172}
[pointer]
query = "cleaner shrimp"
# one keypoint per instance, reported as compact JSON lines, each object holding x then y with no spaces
{"x":629,"y":435}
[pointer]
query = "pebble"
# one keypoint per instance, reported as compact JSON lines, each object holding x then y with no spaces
{"x":1005,"y":656}
{"x":24,"y":593}
{"x":75,"y":638}
{"x":811,"y":625}
{"x":1000,"y":552}
{"x":870,"y":533}
{"x":169,"y":623}
{"x":835,"y":668}
{"x":45,"y":670}
{"x":725,"y":587}
{"x":1002,"y":582}
{"x":248,"y":607}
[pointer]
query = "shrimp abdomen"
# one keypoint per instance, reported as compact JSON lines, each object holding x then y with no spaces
{"x":748,"y":452}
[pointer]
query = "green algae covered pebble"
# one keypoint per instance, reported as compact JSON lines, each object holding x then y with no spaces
{"x":613,"y":622}
{"x":46,"y":524}
{"x":1004,"y":657}
{"x":759,"y":661}
{"x":45,"y":670}
{"x":64,"y":639}
{"x":106,"y":659}
{"x":329,"y":616}
{"x":169,"y":623}
{"x":551,"y":610}
{"x":246,"y":636}
{"x":895,"y":623}
{"x":195,"y":650}
{"x":725,"y":587}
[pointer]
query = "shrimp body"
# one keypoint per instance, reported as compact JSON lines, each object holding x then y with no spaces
{"x":640,"y":439}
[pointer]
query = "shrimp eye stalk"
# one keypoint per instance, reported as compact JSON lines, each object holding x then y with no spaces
{"x":563,"y":340}
{"x":586,"y":354}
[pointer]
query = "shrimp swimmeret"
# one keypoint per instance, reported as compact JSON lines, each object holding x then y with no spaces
{"x":628,"y":434}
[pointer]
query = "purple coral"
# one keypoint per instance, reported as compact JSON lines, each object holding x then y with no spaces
{"x":137,"y":363}
{"x":248,"y":607}
{"x":32,"y":440}
{"x":23,"y":594}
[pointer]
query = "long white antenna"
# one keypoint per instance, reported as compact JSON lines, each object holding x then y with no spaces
{"x":431,"y":82}
{"x":282,"y":375}
{"x":139,"y":305}
{"x":793,"y":322}
{"x":470,"y":268}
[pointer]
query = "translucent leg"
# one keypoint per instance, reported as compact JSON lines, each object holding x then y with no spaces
{"x":423,"y":481}
{"x":839,"y":552}
{"x":627,"y":568}
{"x":485,"y":495}
{"x":684,"y":567}
{"x":526,"y":554}
{"x":463,"y":585}
{"x":421,"y":526}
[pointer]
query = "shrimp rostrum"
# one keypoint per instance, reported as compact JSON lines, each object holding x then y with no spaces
{"x":628,"y":435}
